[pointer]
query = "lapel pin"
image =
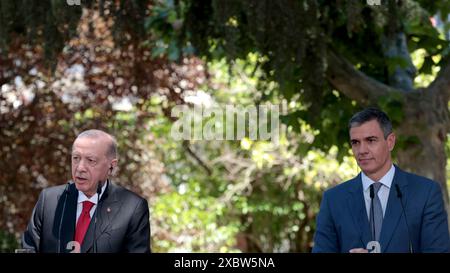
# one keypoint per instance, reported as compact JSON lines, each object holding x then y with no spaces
{"x":108,"y":209}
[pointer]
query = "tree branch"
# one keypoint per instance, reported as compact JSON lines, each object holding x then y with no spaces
{"x":354,"y":84}
{"x":201,"y":162}
{"x":441,"y":85}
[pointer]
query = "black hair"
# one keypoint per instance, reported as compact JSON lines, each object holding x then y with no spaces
{"x":369,"y":114}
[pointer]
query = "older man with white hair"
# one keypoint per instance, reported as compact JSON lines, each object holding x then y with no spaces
{"x":89,"y":214}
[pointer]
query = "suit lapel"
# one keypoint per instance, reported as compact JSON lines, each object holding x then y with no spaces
{"x":357,"y":208}
{"x":109,"y":206}
{"x":393,"y":209}
{"x":109,"y":211}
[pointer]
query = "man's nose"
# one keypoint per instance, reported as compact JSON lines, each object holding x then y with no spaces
{"x":363,"y":149}
{"x":81,"y":166}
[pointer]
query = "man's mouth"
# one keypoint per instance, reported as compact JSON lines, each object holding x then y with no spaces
{"x":80,"y":179}
{"x":364,"y":159}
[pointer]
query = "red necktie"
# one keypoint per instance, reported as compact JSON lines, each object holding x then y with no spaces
{"x":83,"y":222}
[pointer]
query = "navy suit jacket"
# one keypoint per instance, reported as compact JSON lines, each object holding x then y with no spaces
{"x":343,"y":224}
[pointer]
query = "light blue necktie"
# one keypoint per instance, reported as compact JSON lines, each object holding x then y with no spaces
{"x":376,"y":213}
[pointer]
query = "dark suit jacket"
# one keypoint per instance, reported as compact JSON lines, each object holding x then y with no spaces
{"x":122,"y":224}
{"x":342,"y":223}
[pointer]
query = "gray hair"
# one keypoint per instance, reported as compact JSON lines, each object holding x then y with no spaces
{"x":94,"y":133}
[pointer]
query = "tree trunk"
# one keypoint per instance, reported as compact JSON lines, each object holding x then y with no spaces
{"x":421,"y":139}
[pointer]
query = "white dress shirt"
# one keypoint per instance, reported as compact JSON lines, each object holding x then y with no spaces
{"x":94,"y":199}
{"x":383,"y":193}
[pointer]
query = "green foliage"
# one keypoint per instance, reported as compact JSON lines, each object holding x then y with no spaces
{"x":164,"y":25}
{"x":8,"y":242}
{"x":290,"y":41}
{"x":392,"y":104}
{"x":188,"y":221}
{"x":259,"y":196}
{"x":205,"y":196}
{"x":292,"y":47}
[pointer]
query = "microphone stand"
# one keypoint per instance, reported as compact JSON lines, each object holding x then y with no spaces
{"x":400,"y":195}
{"x":65,"y":193}
{"x":99,"y":191}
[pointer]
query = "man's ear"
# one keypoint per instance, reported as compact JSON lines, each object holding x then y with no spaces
{"x":113,"y":166}
{"x":391,"y":141}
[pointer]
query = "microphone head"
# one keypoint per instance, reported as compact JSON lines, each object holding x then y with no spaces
{"x":66,"y":189}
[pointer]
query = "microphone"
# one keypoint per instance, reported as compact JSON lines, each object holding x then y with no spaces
{"x":372,"y":195}
{"x":65,"y":193}
{"x":400,"y":195}
{"x":99,"y":191}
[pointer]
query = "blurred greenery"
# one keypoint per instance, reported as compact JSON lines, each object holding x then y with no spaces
{"x":122,"y":66}
{"x":8,"y":242}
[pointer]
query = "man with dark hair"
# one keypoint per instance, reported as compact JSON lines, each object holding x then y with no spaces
{"x":384,"y":208}
{"x":89,"y":214}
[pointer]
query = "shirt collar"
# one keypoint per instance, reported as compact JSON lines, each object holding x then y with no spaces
{"x":94,"y":198}
{"x":386,"y":180}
